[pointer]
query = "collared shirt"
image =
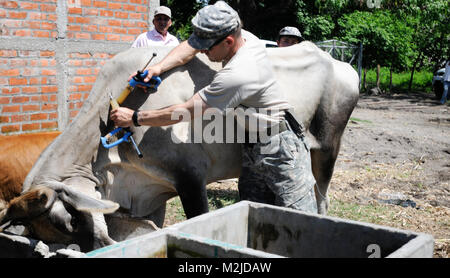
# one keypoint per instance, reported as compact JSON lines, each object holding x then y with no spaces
{"x":153,"y":38}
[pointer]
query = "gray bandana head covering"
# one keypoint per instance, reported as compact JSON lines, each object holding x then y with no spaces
{"x":211,"y":23}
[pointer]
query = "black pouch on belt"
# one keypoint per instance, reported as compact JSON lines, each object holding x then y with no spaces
{"x":295,"y":126}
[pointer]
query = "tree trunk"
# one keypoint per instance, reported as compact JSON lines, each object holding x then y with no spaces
{"x":364,"y":79}
{"x":413,"y":70}
{"x":390,"y":80}
{"x":378,"y":75}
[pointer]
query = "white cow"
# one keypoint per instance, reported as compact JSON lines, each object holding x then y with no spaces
{"x":76,"y":180}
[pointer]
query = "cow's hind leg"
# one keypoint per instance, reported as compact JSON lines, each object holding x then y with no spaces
{"x":192,"y":192}
{"x":323,"y":161}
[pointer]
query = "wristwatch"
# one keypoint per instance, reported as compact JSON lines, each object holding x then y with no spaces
{"x":135,"y":118}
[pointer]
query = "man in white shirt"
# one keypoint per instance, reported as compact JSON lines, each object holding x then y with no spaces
{"x":159,"y":36}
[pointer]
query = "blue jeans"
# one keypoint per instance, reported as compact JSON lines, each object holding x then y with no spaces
{"x":444,"y":94}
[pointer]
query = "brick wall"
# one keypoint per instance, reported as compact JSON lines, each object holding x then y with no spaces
{"x":113,"y":20}
{"x":28,"y":97}
{"x":83,"y":69}
{"x":51,"y":52}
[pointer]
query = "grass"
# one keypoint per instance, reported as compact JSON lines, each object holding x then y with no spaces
{"x":217,"y":198}
{"x":360,"y":120}
{"x":372,"y":213}
{"x":400,"y":81}
{"x":174,"y":211}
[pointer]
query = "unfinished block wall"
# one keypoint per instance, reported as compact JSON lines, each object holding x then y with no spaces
{"x":51,"y":52}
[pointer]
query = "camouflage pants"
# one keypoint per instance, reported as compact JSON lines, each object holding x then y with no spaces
{"x":283,"y":177}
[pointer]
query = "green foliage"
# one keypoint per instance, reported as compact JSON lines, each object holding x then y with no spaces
{"x":182,"y":13}
{"x":430,"y":20}
{"x":318,"y":18}
{"x":183,"y":31}
{"x":316,"y":28}
{"x":386,"y":39}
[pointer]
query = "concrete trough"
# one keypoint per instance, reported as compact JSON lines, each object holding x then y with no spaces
{"x":248,"y":229}
{"x":172,"y":244}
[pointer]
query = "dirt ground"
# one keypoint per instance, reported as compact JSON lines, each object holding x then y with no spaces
{"x":393,"y":168}
{"x":395,"y":164}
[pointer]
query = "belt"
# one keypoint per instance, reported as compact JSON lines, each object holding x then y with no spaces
{"x":271,"y":131}
{"x":282,"y":126}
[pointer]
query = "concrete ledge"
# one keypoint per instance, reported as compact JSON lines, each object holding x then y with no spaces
{"x":15,"y":246}
{"x":248,"y":229}
{"x":172,"y":244}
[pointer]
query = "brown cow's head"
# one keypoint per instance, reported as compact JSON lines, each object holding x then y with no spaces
{"x":60,"y":214}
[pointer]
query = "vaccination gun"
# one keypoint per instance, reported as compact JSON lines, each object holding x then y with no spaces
{"x":138,"y":79}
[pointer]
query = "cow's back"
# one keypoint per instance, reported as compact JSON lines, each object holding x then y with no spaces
{"x":322,"y":91}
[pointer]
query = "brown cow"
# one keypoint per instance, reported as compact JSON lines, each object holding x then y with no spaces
{"x":17,"y":155}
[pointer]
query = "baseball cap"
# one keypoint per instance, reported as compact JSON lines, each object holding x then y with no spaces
{"x":211,"y":23}
{"x":163,"y":10}
{"x":290,"y":31}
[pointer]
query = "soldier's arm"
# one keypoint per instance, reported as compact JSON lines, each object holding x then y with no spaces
{"x":170,"y":115}
{"x":180,"y":55}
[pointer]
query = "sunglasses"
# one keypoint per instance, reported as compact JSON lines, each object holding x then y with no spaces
{"x":217,"y":42}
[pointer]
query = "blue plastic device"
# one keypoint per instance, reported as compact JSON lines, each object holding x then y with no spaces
{"x":139,"y":79}
{"x":113,"y":144}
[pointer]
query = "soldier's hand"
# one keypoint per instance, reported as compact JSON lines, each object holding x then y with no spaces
{"x":122,"y":117}
{"x":154,"y":70}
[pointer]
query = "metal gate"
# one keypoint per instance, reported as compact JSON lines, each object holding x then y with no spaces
{"x":345,"y":52}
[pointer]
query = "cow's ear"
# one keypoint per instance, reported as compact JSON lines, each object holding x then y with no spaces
{"x":29,"y":205}
{"x":83,"y":202}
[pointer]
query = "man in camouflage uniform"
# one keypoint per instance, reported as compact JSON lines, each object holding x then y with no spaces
{"x":276,"y":165}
